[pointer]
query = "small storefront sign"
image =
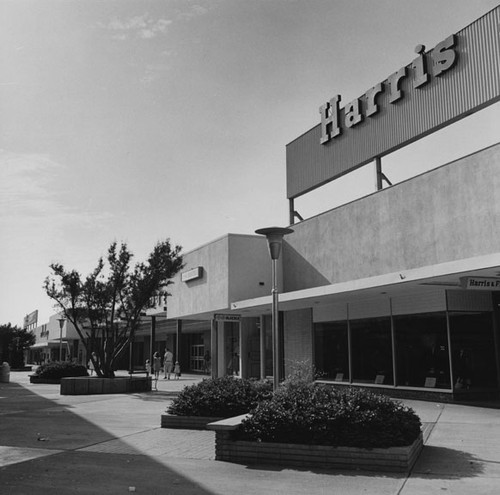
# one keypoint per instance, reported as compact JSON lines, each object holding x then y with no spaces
{"x":224,"y":317}
{"x":192,"y":274}
{"x":480,"y":283}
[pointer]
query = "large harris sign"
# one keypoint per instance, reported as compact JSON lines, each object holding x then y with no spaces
{"x":458,"y":77}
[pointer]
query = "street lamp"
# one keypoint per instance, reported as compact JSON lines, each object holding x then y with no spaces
{"x":61,"y":324}
{"x":274,"y":236}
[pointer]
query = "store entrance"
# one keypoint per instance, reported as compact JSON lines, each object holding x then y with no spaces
{"x":232,"y":348}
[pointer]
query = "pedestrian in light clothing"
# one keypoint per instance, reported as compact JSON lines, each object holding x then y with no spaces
{"x":168,"y":363}
{"x":90,"y":364}
{"x":177,"y":370}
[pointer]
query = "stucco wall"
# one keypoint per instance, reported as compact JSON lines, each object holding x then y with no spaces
{"x":233,"y":268}
{"x":249,"y":266}
{"x":53,"y":327}
{"x":447,"y":214}
{"x":210,"y":291}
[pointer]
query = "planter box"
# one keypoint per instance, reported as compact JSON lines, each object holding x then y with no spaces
{"x":392,"y":459}
{"x":186,"y":422}
{"x":88,"y":385}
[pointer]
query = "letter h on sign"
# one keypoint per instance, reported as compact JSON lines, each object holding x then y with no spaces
{"x":330,"y":119}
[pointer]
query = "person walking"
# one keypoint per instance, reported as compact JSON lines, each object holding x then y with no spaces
{"x":168,"y":363}
{"x":156,"y":368}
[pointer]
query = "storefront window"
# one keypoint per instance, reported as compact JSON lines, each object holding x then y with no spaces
{"x":422,"y":358}
{"x":372,"y":351}
{"x":331,"y":357}
{"x":473,"y":354}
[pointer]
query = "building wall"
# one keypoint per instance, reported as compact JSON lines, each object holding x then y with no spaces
{"x":449,"y":213}
{"x":249,"y":266}
{"x":68,"y":330}
{"x":298,"y":341}
{"x":234,"y":266}
{"x":210,"y":291}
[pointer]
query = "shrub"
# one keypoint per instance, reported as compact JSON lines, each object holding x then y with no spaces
{"x":220,"y":397}
{"x":56,"y":370}
{"x":306,"y":413}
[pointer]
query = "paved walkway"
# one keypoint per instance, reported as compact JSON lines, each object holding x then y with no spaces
{"x":113,"y":444}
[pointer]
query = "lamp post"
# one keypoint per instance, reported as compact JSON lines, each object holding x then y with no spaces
{"x":61,"y":324}
{"x":274,"y":236}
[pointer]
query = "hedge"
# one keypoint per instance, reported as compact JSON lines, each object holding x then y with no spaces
{"x":307,"y":413}
{"x":220,"y":397}
{"x":56,"y":370}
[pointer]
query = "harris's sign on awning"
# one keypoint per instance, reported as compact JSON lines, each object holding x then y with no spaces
{"x":480,"y":283}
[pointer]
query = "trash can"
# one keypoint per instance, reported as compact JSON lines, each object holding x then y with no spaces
{"x":4,"y":373}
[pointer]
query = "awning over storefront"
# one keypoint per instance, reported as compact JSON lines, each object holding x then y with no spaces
{"x":48,"y":344}
{"x":445,"y":275}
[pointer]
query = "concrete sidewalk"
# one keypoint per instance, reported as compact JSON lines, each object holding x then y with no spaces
{"x":113,"y":444}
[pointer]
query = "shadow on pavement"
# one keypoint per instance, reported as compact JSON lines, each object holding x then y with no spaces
{"x":445,"y":463}
{"x":41,"y":442}
{"x":438,"y":463}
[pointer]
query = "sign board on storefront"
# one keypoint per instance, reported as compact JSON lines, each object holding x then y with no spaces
{"x":480,"y":283}
{"x":192,"y":274}
{"x":31,"y":319}
{"x":224,"y":317}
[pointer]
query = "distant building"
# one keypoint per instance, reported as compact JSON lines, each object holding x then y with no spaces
{"x":55,"y":341}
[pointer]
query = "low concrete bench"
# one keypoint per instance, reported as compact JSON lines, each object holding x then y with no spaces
{"x":228,"y":424}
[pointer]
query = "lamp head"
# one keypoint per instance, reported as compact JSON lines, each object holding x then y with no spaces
{"x":274,"y":237}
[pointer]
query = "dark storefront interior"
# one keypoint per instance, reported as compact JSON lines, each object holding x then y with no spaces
{"x":411,"y":351}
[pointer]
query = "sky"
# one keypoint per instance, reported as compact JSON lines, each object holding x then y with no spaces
{"x":137,"y":120}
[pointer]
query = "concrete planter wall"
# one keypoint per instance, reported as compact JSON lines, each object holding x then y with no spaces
{"x":38,"y":379}
{"x":393,"y":459}
{"x":186,"y":422}
{"x":93,"y":385}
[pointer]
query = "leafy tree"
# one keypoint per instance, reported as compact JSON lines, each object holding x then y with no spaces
{"x":13,"y":342}
{"x":105,"y":307}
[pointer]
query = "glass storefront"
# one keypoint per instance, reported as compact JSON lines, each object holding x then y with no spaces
{"x":473,"y":350}
{"x":371,"y":351}
{"x":232,"y":347}
{"x":331,"y":351}
{"x":421,"y":357}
